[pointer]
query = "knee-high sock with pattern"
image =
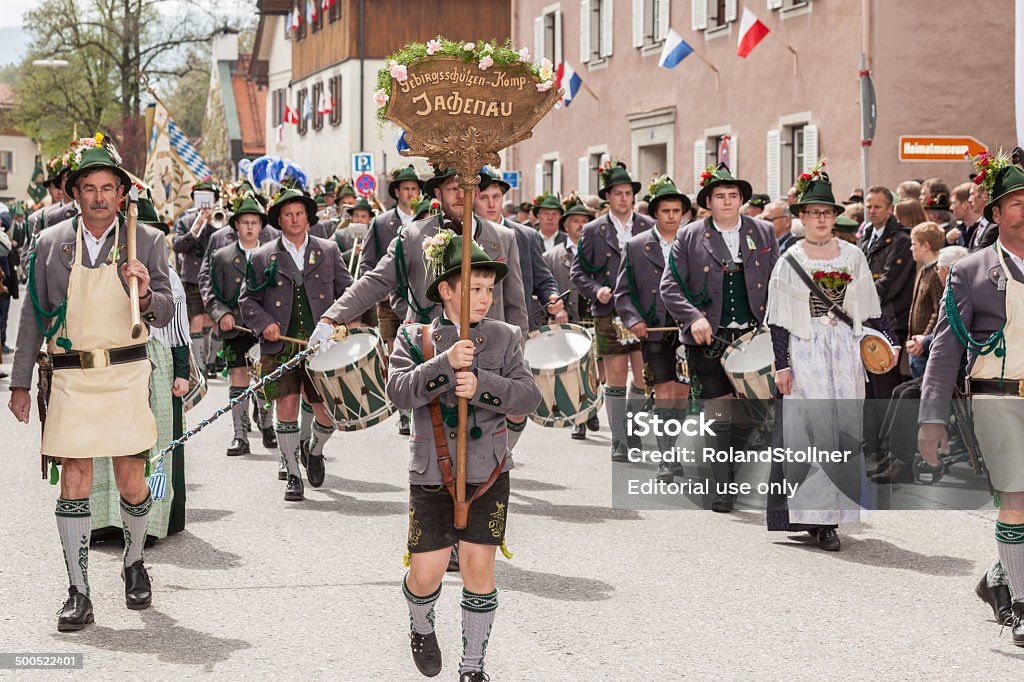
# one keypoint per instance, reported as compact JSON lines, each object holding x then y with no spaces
{"x":73,"y":526}
{"x":135,"y":520}
{"x":636,"y":398}
{"x":1010,"y":541}
{"x":615,"y":407}
{"x":305,"y":420}
{"x":421,"y":609}
{"x":288,"y":442}
{"x":239,"y":413}
{"x":321,"y":434}
{"x":210,"y":346}
{"x":515,"y":432}
{"x":198,"y":351}
{"x":996,"y":575}
{"x":665,"y":441}
{"x":477,"y":619}
{"x":266,"y":413}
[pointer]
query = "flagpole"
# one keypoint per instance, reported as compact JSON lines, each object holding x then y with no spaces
{"x":709,"y":65}
{"x":788,"y":47}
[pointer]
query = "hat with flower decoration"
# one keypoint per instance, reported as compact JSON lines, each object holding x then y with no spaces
{"x":661,"y":189}
{"x":443,"y":252}
{"x":285,"y":196}
{"x":345,"y":189}
{"x":573,"y":205}
{"x":615,"y":173}
{"x":425,"y":205}
{"x":999,"y":174}
{"x":717,"y":176}
{"x":92,"y":153}
{"x":813,"y":187}
{"x":247,"y":203}
{"x":547,"y":200}
{"x":400,"y":175}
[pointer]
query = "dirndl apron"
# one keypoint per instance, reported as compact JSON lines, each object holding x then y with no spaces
{"x":99,"y":411}
{"x":999,"y":420}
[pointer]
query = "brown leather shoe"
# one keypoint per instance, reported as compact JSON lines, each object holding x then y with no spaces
{"x":897,"y":473}
{"x":883,"y":466}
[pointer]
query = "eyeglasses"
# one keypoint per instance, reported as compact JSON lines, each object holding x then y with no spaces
{"x":815,"y":214}
{"x":91,"y":190}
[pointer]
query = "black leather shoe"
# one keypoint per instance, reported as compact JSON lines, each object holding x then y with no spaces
{"x":453,"y":560}
{"x":594,"y":424}
{"x":883,"y":466}
{"x":294,"y":491}
{"x":238,"y":447}
{"x":998,"y":597}
{"x":403,"y":424}
{"x":304,"y":452}
{"x":677,"y":469}
{"x":76,"y":612}
{"x":898,"y":472}
{"x":828,"y":539}
{"x":269,"y":438}
{"x":619,"y":452}
{"x":138,"y":590}
{"x":665,"y":474}
{"x":474,"y":676}
{"x":255,"y":415}
{"x":1017,"y":624}
{"x":316,"y":470}
{"x":634,"y":442}
{"x":426,"y":654}
{"x":282,"y":470}
{"x":723,"y":503}
{"x":579,"y":432}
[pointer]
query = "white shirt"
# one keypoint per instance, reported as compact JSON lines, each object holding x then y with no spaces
{"x":248,"y":252}
{"x":666,"y":246}
{"x":1017,"y":260}
{"x":571,"y":247}
{"x":548,"y":243}
{"x":623,"y":232}
{"x":93,"y":245}
{"x":732,"y":239}
{"x":406,"y":218}
{"x":296,"y":252}
{"x":876,"y":234}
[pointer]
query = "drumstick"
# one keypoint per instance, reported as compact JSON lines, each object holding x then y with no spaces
{"x":352,"y":258}
{"x":281,"y":337}
{"x":544,"y":306}
{"x":133,"y":281}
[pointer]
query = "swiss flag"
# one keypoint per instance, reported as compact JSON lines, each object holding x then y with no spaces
{"x":752,"y":31}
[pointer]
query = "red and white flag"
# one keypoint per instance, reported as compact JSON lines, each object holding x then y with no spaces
{"x":296,"y":18}
{"x":325,"y":4}
{"x":280,"y":133}
{"x":290,"y":115}
{"x":752,"y":31}
{"x":328,"y":104}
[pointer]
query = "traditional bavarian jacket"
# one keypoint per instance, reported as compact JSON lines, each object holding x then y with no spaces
{"x":190,"y":249}
{"x":221,"y":283}
{"x":273,"y":289}
{"x":505,"y":385}
{"x":702,"y":280}
{"x":637,"y":290}
{"x":559,"y":261}
{"x":538,"y":282}
{"x":598,"y":259}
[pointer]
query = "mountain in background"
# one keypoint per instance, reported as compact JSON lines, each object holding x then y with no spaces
{"x":13,"y":44}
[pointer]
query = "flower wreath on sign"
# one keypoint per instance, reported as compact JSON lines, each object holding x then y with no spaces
{"x":988,"y":167}
{"x":484,"y":54}
{"x":817,"y":172}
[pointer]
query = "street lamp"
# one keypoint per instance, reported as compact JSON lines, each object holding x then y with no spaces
{"x":52,"y":63}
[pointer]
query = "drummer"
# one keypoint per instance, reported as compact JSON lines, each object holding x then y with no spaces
{"x":289,"y":284}
{"x":348,"y":243}
{"x":638,"y":302}
{"x":716,"y":289}
{"x":222,"y":286}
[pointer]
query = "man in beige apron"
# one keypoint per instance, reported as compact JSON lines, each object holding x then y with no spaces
{"x":99,"y":399}
{"x":987,"y":288}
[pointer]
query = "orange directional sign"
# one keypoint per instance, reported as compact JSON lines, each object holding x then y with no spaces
{"x":939,"y":147}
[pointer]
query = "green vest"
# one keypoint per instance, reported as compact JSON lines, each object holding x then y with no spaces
{"x":301,"y":323}
{"x":735,"y":304}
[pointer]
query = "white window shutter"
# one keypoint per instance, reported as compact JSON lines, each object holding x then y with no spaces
{"x":699,"y":14}
{"x":557,"y":59}
{"x":583,"y":183}
{"x":638,"y":23}
{"x":663,"y":19}
{"x":733,"y":158}
{"x":556,"y":178}
{"x":538,"y":38}
{"x":585,"y":30}
{"x":538,"y":179}
{"x":810,"y":146}
{"x":607,"y":27}
{"x":730,"y":10}
{"x":775,"y":4}
{"x":700,"y":162}
{"x":774,"y":170}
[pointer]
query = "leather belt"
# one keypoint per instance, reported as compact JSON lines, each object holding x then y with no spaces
{"x":1008,"y":387}
{"x":104,"y":357}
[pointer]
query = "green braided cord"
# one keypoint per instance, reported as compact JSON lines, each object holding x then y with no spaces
{"x":404,"y":290}
{"x":58,"y":315}
{"x":650,"y":314}
{"x":217,"y":293}
{"x":586,"y":265}
{"x":270,"y":273}
{"x":414,"y":350}
{"x":699,"y":299}
{"x":995,"y":343}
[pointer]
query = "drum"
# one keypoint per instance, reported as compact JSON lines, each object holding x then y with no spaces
{"x":350,"y":377}
{"x":876,"y":352}
{"x":196,"y":385}
{"x":564,"y":363}
{"x":749,"y":364}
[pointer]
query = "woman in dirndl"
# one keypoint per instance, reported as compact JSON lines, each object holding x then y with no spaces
{"x":169,"y":349}
{"x":819,"y":372}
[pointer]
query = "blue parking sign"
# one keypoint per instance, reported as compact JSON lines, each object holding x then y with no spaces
{"x":362,"y":162}
{"x":512,"y":178}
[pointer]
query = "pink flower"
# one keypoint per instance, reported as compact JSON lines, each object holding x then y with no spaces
{"x":524,"y":55}
{"x":469,"y":47}
{"x":545,"y":86}
{"x":380,"y":98}
{"x":433,"y":46}
{"x":486,"y":62}
{"x":398,"y":71}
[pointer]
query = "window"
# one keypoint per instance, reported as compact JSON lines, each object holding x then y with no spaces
{"x":334,"y":13}
{"x":786,"y":5}
{"x":712,"y":15}
{"x":594,"y":172}
{"x":334,"y":93}
{"x":792,"y":149}
{"x":278,"y":103}
{"x":318,"y":106}
{"x":596,"y":30}
{"x":300,"y":32}
{"x":316,"y":20}
{"x":650,"y":22}
{"x":305,"y":111}
{"x":547,"y":36}
{"x":721,"y":148}
{"x":548,"y":175}
{"x":6,"y":161}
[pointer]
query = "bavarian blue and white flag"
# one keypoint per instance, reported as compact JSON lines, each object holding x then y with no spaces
{"x":173,"y":165}
{"x":674,"y":51}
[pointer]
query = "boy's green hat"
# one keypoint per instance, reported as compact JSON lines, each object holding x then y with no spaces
{"x":445,"y":257}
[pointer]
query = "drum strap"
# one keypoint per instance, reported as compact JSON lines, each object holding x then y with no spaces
{"x":816,"y":291}
{"x":444,"y":460}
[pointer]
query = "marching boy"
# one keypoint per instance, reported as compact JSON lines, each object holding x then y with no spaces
{"x":429,"y":370}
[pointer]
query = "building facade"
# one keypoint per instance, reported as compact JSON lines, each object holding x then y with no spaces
{"x":797,"y":96}
{"x":17,"y":153}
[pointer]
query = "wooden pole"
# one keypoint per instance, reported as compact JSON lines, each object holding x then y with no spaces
{"x":469,"y":183}
{"x":133,"y":282}
{"x":290,"y":339}
{"x":710,"y":66}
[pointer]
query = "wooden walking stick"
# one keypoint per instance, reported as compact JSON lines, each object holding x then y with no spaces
{"x":459,"y":106}
{"x":133,"y":282}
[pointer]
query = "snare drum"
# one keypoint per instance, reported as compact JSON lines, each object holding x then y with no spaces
{"x":749,"y":364}
{"x":564,"y":362}
{"x":350,"y":377}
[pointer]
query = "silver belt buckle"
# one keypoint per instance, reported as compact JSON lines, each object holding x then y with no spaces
{"x":93,"y":359}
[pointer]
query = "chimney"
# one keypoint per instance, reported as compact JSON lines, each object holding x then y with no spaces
{"x":225,"y":44}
